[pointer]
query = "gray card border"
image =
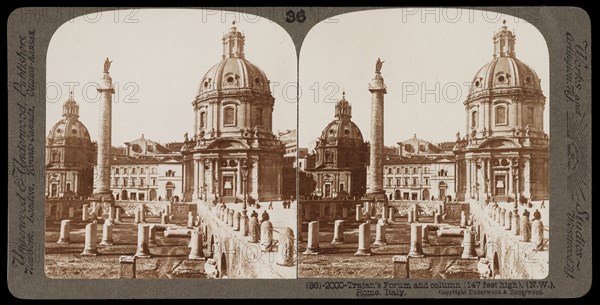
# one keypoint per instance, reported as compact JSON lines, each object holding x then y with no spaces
{"x":570,"y":126}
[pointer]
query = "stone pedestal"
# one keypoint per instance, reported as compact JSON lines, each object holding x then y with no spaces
{"x":230,"y":218}
{"x":254,"y":230}
{"x":312,"y":246}
{"x":338,"y":232}
{"x":468,"y":245}
{"x":107,"y":239}
{"x":507,"y":220}
{"x":127,"y":267}
{"x":364,"y":240}
{"x":537,"y":234}
{"x":416,"y":248}
{"x":401,"y":267}
{"x":190,"y":221}
{"x":65,"y":233}
{"x":118,"y":216}
{"x":286,"y":248}
{"x":380,"y":234}
{"x":90,"y":248}
{"x":436,"y":218}
{"x":236,"y":221}
{"x":525,"y":229}
{"x":196,"y":247}
{"x":463,"y":219}
{"x":266,"y":236}
{"x":142,"y":243}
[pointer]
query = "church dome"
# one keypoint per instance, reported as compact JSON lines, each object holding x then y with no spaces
{"x":233,"y":71}
{"x":70,"y":126}
{"x":342,"y":127}
{"x":504,"y":71}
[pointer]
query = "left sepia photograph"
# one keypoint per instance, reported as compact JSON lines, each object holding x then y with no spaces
{"x":171,"y":147}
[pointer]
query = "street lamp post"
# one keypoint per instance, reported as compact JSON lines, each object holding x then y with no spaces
{"x":244,"y":217}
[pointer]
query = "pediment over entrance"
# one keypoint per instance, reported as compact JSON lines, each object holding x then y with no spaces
{"x":227,"y":144}
{"x":499,"y":144}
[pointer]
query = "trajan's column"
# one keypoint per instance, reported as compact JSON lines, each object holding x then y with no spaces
{"x":103,"y":192}
{"x":376,"y":192}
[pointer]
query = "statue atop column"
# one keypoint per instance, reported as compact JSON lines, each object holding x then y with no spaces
{"x":378,"y":66}
{"x":107,"y":65}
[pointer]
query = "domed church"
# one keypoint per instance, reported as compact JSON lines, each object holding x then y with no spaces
{"x":341,"y":157}
{"x":233,"y":139}
{"x":70,"y":156}
{"x":504,"y":154}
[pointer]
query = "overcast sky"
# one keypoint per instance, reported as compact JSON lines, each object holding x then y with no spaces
{"x":419,"y":53}
{"x":159,"y":61}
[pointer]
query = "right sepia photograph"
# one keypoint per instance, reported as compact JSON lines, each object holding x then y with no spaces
{"x":423,"y":146}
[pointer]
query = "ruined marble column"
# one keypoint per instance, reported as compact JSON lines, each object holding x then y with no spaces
{"x":358,"y":212}
{"x":338,"y":232}
{"x":118,"y":216}
{"x":90,"y":248}
{"x":391,"y":216}
{"x":468,"y":245}
{"x":364,"y":239}
{"x":85,"y":212}
{"x":244,"y":227}
{"x":463,"y":219}
{"x":425,"y":234}
{"x":107,"y":239}
{"x":286,"y":248}
{"x":152,"y":235}
{"x":378,"y":89}
{"x":411,"y":217}
{"x":137,"y":219}
{"x":196,"y":247}
{"x":254,"y":230}
{"x":436,"y":218}
{"x":236,"y":221}
{"x":142,"y":242}
{"x":502,"y":217}
{"x":111,"y":212}
{"x":416,"y":248}
{"x":312,"y":246}
{"x":164,"y":219}
{"x":415,"y":213}
{"x":65,"y":233}
{"x":380,"y":239}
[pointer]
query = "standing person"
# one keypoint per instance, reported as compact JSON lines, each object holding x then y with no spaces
{"x":270,"y":205}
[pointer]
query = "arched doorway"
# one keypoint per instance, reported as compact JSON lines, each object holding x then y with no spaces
{"x":169,"y":187}
{"x":397,"y":195}
{"x":152,"y":195}
{"x":223,"y":272}
{"x":425,"y":195}
{"x":442,"y":187}
{"x":124,"y":195}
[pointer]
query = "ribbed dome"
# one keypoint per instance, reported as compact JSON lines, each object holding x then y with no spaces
{"x":342,"y":127}
{"x":234,"y":71}
{"x":505,"y":73}
{"x":69,"y":126}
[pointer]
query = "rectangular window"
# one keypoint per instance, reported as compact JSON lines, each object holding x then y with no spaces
{"x":142,"y":181}
{"x":389,"y":181}
{"x":397,"y":181}
{"x":474,"y":119}
{"x":125,"y":182}
{"x":397,"y":170}
{"x":142,"y":171}
{"x":405,"y":181}
{"x":116,"y":181}
{"x":202,"y":119}
{"x":258,"y":120}
{"x":426,"y":169}
{"x":414,"y":170}
{"x":229,"y":116}
{"x":406,"y":170}
{"x":389,"y":170}
{"x":153,"y":181}
{"x":116,"y":170}
{"x":426,"y":181}
{"x":125,"y":171}
{"x":501,"y":115}
{"x":530,"y":112}
{"x":414,"y":181}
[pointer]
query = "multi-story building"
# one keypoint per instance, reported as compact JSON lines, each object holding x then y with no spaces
{"x":70,"y":156}
{"x":505,"y":151}
{"x":341,"y":157}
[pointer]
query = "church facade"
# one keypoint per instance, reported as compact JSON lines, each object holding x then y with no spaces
{"x":70,"y":156}
{"x":233,"y":144}
{"x":341,"y":157}
{"x":504,"y":154}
